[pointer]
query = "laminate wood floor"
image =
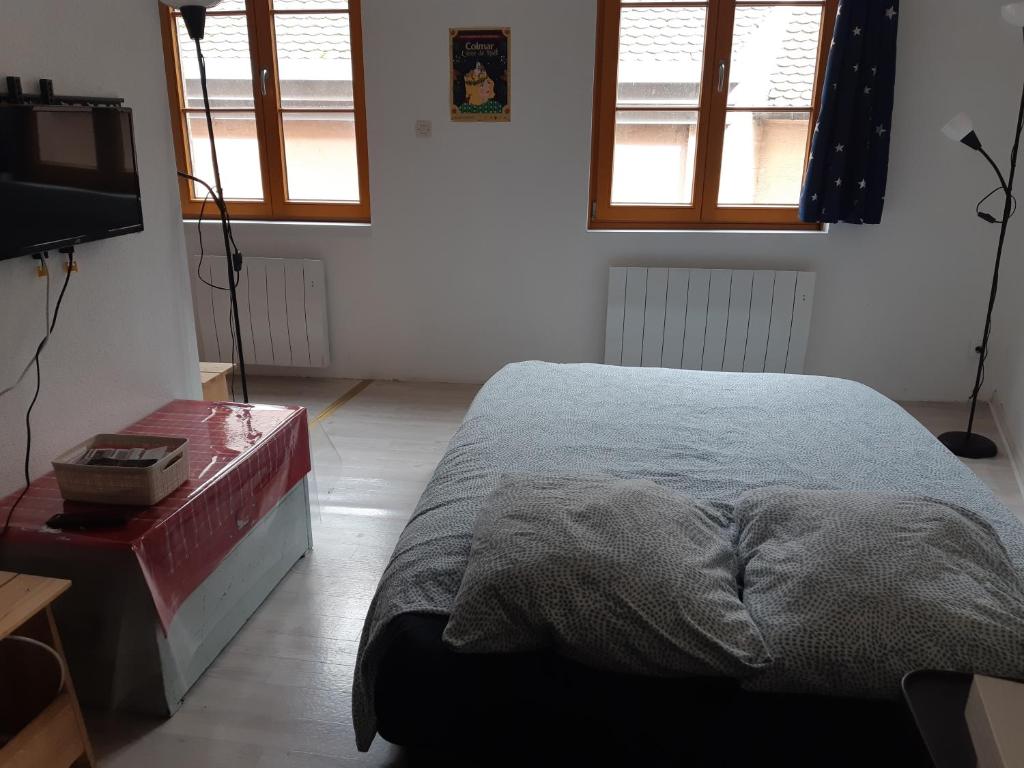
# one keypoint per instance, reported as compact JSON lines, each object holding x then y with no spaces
{"x":279,"y":694}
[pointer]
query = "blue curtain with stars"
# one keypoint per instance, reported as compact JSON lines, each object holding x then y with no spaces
{"x":849,"y":161}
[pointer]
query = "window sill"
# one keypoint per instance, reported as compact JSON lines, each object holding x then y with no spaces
{"x":823,"y":230}
{"x":242,"y":223}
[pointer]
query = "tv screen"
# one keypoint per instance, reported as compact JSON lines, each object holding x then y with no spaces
{"x":67,"y":176}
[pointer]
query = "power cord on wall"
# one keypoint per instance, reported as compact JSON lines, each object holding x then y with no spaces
{"x":45,"y":272}
{"x":51,"y":324}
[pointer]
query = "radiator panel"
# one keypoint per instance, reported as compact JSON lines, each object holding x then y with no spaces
{"x":709,"y":319}
{"x":281,"y":308}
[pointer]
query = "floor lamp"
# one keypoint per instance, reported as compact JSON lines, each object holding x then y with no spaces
{"x":968,"y":444}
{"x":193,"y":13}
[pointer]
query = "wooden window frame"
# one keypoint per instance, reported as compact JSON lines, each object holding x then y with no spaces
{"x":275,"y":206}
{"x":712,"y":109}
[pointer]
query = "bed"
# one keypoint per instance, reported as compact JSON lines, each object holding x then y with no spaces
{"x":713,"y":436}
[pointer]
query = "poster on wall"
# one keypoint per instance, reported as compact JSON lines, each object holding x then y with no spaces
{"x":480,"y":75}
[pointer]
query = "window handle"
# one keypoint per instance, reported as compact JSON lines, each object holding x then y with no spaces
{"x":265,"y":73}
{"x":721,"y":75}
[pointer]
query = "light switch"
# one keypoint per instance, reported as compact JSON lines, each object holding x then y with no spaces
{"x":424,"y":129}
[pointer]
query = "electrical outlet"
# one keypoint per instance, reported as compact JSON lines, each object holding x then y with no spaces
{"x":424,"y":129}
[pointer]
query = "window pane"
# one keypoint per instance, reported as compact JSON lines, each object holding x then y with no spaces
{"x":320,"y":152}
{"x":237,"y":151}
{"x":661,"y":56}
{"x":314,"y":60}
{"x":763,"y":158}
{"x":654,"y":158}
{"x":228,"y":67}
{"x":310,"y":5}
{"x":774,"y":56}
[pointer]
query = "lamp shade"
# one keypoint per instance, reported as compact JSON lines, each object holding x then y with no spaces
{"x":193,"y":13}
{"x":1014,"y":14}
{"x":179,"y":4}
{"x":959,"y":127}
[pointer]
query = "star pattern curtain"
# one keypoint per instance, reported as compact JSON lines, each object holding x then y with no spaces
{"x":849,"y":160}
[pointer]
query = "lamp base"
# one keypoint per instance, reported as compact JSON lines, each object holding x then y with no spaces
{"x":969,"y":446}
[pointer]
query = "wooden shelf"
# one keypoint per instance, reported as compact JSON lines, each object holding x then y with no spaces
{"x":22,"y":597}
{"x":56,"y":737}
{"x":52,"y":740}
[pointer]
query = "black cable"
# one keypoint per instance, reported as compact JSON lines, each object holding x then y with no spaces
{"x":989,"y":217}
{"x":202,"y":249}
{"x":225,"y":221}
{"x":199,"y":267}
{"x":225,"y":218}
{"x":35,"y":398}
{"x":221,"y":206}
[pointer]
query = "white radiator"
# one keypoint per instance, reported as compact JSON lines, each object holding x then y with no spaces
{"x":282,"y":306}
{"x":709,"y":319}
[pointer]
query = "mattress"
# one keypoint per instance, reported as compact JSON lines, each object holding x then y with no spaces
{"x":713,"y":436}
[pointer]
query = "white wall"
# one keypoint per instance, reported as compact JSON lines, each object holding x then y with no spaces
{"x":124,"y":343}
{"x":479,"y":255}
{"x":1005,"y":369}
{"x":1006,"y":361}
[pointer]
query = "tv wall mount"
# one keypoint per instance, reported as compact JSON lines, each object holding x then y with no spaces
{"x":16,"y":96}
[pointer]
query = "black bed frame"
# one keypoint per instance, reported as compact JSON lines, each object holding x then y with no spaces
{"x":538,"y":709}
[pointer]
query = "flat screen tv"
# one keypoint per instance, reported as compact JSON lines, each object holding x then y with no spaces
{"x":67,"y":176}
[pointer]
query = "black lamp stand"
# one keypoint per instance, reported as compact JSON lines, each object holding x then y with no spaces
{"x":195,"y":21}
{"x":967,"y":444}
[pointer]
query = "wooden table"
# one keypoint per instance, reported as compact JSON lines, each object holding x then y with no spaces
{"x":56,"y":736}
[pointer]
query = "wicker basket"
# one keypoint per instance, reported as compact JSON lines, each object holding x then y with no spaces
{"x":131,"y":486}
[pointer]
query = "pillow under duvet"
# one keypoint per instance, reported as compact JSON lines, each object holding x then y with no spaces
{"x":854,"y":590}
{"x":623,"y":575}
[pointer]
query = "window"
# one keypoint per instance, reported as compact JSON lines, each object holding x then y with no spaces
{"x":286,"y":89}
{"x":704,"y":112}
